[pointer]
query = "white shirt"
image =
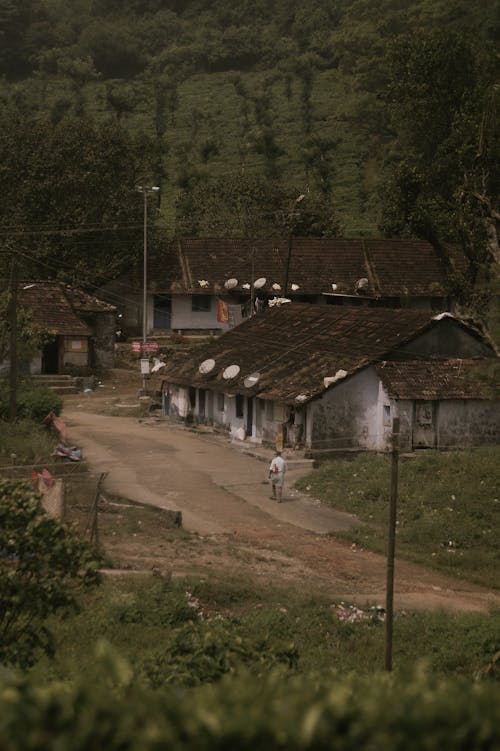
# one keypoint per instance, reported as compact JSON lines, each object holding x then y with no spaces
{"x":279,"y":463}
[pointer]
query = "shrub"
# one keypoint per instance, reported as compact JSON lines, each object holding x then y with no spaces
{"x":42,"y":566}
{"x":110,"y":711}
{"x":33,"y":402}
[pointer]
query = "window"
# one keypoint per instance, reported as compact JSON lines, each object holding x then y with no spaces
{"x":387,"y":415}
{"x":201,"y":303}
{"x":220,"y":402}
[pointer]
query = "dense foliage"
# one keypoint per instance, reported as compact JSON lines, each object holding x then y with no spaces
{"x":341,"y":712}
{"x":34,"y":402}
{"x":42,"y":566}
{"x":290,"y":92}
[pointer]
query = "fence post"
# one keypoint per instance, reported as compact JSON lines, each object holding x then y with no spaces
{"x":391,"y":545}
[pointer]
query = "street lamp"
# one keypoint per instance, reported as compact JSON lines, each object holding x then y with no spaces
{"x":145,"y":190}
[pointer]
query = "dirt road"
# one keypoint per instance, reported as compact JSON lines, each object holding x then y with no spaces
{"x":224,"y":498}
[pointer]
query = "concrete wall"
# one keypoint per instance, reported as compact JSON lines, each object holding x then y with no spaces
{"x":351,"y":415}
{"x":185,"y":318}
{"x":459,"y":423}
{"x":467,"y":422}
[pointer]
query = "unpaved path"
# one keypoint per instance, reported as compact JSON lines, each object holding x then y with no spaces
{"x":224,"y":498}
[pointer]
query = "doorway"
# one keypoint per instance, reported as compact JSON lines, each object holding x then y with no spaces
{"x":162,"y":312}
{"x":50,"y":357}
{"x":249,"y":423}
{"x":424,"y":425}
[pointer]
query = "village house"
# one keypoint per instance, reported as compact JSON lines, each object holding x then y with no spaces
{"x":335,"y":377}
{"x":209,"y":285}
{"x":81,"y":326}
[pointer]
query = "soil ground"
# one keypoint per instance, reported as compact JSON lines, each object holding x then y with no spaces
{"x":231,"y":528}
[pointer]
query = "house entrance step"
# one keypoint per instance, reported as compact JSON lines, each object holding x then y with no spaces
{"x":59,"y":384}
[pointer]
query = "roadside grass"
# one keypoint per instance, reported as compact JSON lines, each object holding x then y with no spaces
{"x":25,"y":442}
{"x":193,"y":631}
{"x":448,"y":514}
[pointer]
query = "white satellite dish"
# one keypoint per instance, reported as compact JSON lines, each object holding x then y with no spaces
{"x":207,"y":366}
{"x":251,"y":380}
{"x":231,"y":283}
{"x":230,"y":372}
{"x":259,"y":283}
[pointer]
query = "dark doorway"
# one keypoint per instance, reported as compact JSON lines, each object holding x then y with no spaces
{"x":162,"y":312}
{"x":201,"y":405}
{"x":50,"y":357}
{"x":249,"y":425}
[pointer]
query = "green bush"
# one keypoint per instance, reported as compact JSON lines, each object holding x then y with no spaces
{"x":202,"y":653}
{"x":42,"y":568}
{"x":34,"y":402}
{"x":111,"y":711}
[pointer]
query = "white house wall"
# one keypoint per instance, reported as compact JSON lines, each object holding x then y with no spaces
{"x":350,"y":415}
{"x":185,"y":318}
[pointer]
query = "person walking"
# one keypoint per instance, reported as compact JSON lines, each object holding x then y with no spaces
{"x":277,"y":470}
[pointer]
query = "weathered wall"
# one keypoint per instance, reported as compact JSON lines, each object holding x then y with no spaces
{"x":446,"y":339}
{"x":468,"y":422}
{"x":349,"y":414}
{"x":176,"y":402}
{"x":103,"y":340}
{"x":459,"y":423}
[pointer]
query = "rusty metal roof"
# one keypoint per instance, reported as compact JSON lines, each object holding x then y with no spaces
{"x":296,"y":346}
{"x":82,"y":302}
{"x":391,"y":268}
{"x":442,"y":379}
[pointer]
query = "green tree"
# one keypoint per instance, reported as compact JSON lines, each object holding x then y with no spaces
{"x":43,"y":566}
{"x":69,"y":205}
{"x":445,"y":185}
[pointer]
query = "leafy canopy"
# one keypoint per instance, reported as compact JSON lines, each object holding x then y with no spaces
{"x":42,"y":568}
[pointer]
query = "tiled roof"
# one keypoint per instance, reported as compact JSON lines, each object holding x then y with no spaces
{"x":392,"y":268}
{"x":50,"y":308}
{"x":296,"y":346}
{"x":442,"y":379}
{"x":85,"y":303}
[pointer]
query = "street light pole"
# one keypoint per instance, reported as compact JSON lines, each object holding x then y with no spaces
{"x":145,"y":189}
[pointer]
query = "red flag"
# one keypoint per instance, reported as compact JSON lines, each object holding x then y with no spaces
{"x":222,"y":312}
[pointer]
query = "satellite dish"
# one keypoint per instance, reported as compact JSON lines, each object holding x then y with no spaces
{"x":259,"y":283}
{"x":251,"y":380}
{"x":231,"y":283}
{"x":207,"y":366}
{"x":231,"y":372}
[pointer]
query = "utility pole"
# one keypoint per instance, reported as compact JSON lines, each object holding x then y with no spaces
{"x":391,"y":546}
{"x":144,"y":189}
{"x":13,"y":341}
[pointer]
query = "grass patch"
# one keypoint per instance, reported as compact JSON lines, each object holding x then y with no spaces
{"x":197,"y":630}
{"x":448,"y":507}
{"x":25,"y":442}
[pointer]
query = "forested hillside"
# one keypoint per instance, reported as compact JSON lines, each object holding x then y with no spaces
{"x":374,"y":111}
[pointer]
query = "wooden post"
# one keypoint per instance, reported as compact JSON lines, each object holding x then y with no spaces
{"x":391,"y":545}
